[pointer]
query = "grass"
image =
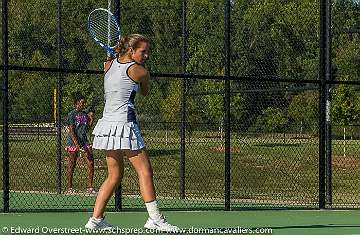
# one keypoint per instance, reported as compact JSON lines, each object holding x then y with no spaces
{"x":266,"y":171}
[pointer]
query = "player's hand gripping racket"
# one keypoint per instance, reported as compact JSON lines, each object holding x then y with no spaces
{"x":104,"y":28}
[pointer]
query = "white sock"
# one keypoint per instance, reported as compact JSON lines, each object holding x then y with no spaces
{"x":153,"y":210}
{"x":96,"y":220}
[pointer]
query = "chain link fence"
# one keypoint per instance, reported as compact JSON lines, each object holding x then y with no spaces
{"x":344,"y":102}
{"x":272,"y":137}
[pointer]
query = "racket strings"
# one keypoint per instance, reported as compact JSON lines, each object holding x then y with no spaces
{"x":104,"y":30}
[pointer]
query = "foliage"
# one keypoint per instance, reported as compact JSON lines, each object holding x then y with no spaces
{"x":269,"y":39}
{"x":304,"y":109}
{"x":345,"y":107}
{"x":272,"y":120}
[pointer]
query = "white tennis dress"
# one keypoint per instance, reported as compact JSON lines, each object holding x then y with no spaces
{"x":118,"y":128}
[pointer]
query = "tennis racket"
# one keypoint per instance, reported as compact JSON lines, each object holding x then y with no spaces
{"x":104,"y":28}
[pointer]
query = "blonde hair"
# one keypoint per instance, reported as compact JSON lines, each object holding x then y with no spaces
{"x":129,"y":41}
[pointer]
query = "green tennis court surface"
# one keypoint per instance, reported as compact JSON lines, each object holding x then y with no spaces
{"x":31,"y":201}
{"x":289,"y":222}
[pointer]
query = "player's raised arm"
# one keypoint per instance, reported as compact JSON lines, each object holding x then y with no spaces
{"x":141,"y":75}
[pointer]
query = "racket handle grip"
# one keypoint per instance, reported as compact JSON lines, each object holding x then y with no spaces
{"x":108,"y":58}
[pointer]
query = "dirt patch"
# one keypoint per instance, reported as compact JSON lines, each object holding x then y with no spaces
{"x":346,"y":162}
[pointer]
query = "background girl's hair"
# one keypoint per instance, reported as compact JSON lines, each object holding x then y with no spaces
{"x":132,"y":40}
{"x":77,"y":96}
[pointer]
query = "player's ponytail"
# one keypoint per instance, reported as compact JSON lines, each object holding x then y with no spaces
{"x":129,"y":41}
{"x":121,"y":46}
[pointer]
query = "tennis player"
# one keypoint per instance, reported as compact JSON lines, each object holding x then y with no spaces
{"x":117,"y":132}
{"x":78,"y":124}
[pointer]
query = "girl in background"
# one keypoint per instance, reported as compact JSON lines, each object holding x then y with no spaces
{"x":79,"y":123}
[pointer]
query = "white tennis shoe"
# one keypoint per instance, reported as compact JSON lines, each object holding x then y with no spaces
{"x":94,"y":224}
{"x":161,"y":225}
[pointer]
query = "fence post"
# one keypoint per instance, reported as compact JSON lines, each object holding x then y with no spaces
{"x":5,"y":103}
{"x":227,"y":105}
{"x":328,"y":170}
{"x":59,"y":97}
{"x":324,"y":103}
{"x":328,"y":98}
{"x":183,"y":103}
{"x":118,"y":191}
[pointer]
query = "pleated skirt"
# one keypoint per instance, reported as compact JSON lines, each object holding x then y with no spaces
{"x":111,"y":135}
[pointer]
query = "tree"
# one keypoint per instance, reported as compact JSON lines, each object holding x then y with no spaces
{"x":345,"y":108}
{"x":206,"y":37}
{"x":303,"y":109}
{"x":31,"y":98}
{"x":170,"y":107}
{"x":272,"y":120}
{"x":272,"y":39}
{"x":160,"y":21}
